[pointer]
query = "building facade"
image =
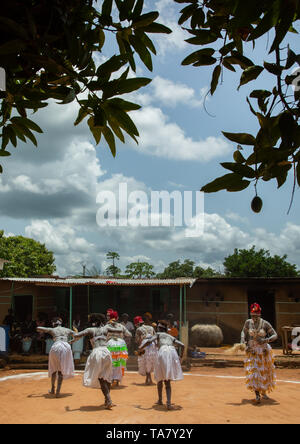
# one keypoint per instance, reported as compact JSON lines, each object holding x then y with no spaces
{"x":221,"y":301}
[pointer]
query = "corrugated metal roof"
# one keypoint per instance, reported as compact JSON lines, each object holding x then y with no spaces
{"x":94,"y":281}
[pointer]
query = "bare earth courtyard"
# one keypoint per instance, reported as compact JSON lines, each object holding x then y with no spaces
{"x":205,"y":396}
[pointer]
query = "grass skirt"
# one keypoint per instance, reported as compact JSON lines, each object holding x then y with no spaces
{"x":260,"y":369}
{"x":61,"y":360}
{"x":119,"y":354}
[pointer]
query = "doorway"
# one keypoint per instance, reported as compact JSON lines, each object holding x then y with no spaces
{"x":266,"y":299}
{"x":23,"y":306}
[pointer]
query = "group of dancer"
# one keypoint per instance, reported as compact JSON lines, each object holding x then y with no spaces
{"x":106,"y":364}
{"x":158,"y":352}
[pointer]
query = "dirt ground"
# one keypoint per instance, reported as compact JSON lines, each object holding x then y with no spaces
{"x":205,"y":396}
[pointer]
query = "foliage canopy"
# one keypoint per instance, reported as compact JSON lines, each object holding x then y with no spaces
{"x":26,"y":257}
{"x":47,"y":51}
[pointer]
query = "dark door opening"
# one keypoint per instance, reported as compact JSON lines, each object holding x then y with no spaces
{"x":266,"y":299}
{"x":23,"y":307}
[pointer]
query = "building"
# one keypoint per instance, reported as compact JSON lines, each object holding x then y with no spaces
{"x":69,"y":296}
{"x":221,"y":301}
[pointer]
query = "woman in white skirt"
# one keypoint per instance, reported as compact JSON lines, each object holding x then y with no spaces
{"x":117,"y":346}
{"x":98,"y":368}
{"x":146,"y":359}
{"x":168,"y":364}
{"x":60,"y":363}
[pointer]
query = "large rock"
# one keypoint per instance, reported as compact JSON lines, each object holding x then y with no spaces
{"x":204,"y":335}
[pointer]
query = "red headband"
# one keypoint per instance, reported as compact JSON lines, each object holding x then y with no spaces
{"x":113,"y":315}
{"x":138,"y":320}
{"x":255,"y":309}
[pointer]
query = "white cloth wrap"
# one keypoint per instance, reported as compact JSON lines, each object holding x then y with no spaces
{"x":167,"y":366}
{"x":61,"y":360}
{"x":98,"y":366}
{"x":146,"y":362}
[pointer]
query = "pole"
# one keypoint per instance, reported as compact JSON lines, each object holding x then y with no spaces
{"x":12,"y":305}
{"x":71,"y":307}
{"x":180,"y":311}
{"x":184,"y":302}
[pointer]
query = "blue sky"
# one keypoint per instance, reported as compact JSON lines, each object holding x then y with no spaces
{"x":50,"y":193}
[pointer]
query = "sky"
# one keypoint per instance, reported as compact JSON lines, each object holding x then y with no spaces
{"x":51,"y":193}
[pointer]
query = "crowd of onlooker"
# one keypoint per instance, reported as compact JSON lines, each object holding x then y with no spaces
{"x":25,"y":332}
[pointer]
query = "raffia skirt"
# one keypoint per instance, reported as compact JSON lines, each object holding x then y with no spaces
{"x":119,"y":354}
{"x":260,"y":369}
{"x":98,"y":366}
{"x":61,"y":360}
{"x":167,"y":365}
{"x":146,"y":362}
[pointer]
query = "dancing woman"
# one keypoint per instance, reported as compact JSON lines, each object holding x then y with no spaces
{"x":60,"y":363}
{"x":98,"y":368}
{"x":168,"y":364}
{"x":259,"y":364}
{"x":146,"y":359}
{"x":117,"y":346}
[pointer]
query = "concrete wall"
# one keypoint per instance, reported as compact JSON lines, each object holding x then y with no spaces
{"x":226,"y":304}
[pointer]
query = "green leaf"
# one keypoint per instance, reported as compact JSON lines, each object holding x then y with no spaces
{"x":110,"y":139}
{"x":197,"y":56}
{"x":238,"y":157}
{"x":243,"y":170}
{"x":124,"y":104}
{"x":242,"y":138}
{"x":269,"y":21}
{"x":215,"y":79}
{"x":82,"y":113}
{"x":118,"y":87}
{"x":260,"y":94}
{"x":115,"y":127}
{"x":96,"y":131}
{"x":142,"y":51}
{"x":107,"y":7}
{"x":286,"y":21}
{"x":250,"y":74}
{"x":273,"y":68}
{"x":157,"y":28}
{"x":203,"y":37}
{"x":4,"y":153}
{"x":187,"y":12}
{"x":145,"y":20}
{"x":5,"y":138}
{"x":138,"y":9}
{"x":125,"y":122}
{"x":238,"y":59}
{"x":229,"y":182}
{"x":27,"y":122}
{"x":12,"y":135}
{"x":227,"y":65}
{"x":298,"y":173}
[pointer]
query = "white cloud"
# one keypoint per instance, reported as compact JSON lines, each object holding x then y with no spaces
{"x":169,"y":17}
{"x":173,"y":93}
{"x":161,"y":138}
